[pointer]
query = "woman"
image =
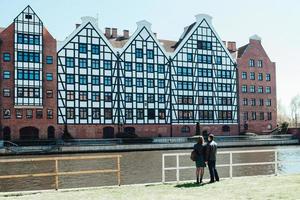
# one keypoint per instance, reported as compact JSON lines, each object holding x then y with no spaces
{"x":199,"y":148}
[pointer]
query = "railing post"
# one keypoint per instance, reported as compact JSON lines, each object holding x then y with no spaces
{"x":163,"y":169}
{"x":177,"y":168}
{"x":119,"y":170}
{"x":276,"y":162}
{"x":230,"y":165}
{"x":56,"y":174}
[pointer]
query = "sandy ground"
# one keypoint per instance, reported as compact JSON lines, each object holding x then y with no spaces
{"x":246,"y":188}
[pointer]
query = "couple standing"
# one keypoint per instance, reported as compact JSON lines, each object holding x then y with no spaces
{"x":206,"y":154}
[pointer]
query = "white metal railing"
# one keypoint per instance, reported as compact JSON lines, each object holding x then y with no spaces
{"x":230,"y":165}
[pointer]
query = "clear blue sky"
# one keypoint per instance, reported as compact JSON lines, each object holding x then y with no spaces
{"x":277,"y":22}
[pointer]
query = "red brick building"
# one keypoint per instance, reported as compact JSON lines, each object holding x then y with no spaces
{"x":257,"y":88}
{"x":28,"y":79}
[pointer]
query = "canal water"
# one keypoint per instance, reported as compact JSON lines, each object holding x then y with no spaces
{"x":140,"y":167}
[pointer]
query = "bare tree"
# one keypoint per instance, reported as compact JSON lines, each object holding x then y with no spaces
{"x":295,"y":110}
{"x":282,"y":115}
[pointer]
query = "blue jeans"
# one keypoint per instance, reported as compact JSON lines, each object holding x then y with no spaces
{"x":212,"y":170}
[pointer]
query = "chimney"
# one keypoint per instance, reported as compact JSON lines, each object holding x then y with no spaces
{"x":114,"y":32}
{"x":155,"y":34}
{"x":231,"y":46}
{"x":77,"y":25}
{"x":107,"y":32}
{"x":126,"y":33}
{"x":224,"y":42}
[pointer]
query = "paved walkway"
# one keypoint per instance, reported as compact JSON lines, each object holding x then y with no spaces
{"x":246,"y":188}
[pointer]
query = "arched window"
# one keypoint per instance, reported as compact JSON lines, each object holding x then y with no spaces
{"x":51,"y":132}
{"x":29,"y":133}
{"x":185,"y":129}
{"x":6,"y":133}
{"x":225,"y":128}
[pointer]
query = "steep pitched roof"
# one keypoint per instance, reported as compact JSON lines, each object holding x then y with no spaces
{"x":186,"y":31}
{"x":241,"y":50}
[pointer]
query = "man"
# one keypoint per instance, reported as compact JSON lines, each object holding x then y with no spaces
{"x":211,"y":154}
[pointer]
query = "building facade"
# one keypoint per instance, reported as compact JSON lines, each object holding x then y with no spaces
{"x":28,"y":79}
{"x":257,"y":88}
{"x":96,"y":85}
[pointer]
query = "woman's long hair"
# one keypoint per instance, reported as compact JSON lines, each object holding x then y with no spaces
{"x":201,"y":140}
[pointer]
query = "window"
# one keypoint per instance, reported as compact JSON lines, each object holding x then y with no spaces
{"x":107,"y":64}
{"x":139,"y":67}
{"x":251,"y":63}
{"x":70,"y":79}
{"x":252,"y":76}
{"x":83,"y":112}
{"x":260,"y":76}
{"x":83,"y":79}
{"x":28,"y":57}
{"x":219,"y":60}
{"x":70,"y":113}
{"x":185,"y":114}
{"x":128,"y":66}
{"x":27,"y":16}
{"x":29,"y":114}
{"x":260,"y":89}
{"x":260,"y":63}
{"x":150,"y":82}
{"x":70,"y":95}
{"x":245,"y":102}
{"x":69,"y":62}
{"x":107,"y":97}
{"x":39,"y":114}
{"x":150,"y":68}
{"x":150,"y":54}
{"x":82,"y":63}
{"x":252,"y":89}
{"x":253,"y":115}
{"x":139,"y":53}
{"x":6,"y":75}
{"x":128,"y":82}
{"x":96,"y":113}
{"x":28,"y":39}
{"x":261,"y":116}
{"x":204,"y":45}
{"x":83,"y":96}
{"x":49,"y":94}
{"x":268,"y":77}
{"x":161,"y":83}
{"x":261,"y":102}
{"x":151,"y":114}
{"x":245,"y":116}
{"x":268,"y":102}
{"x":28,"y":74}
{"x":268,"y":89}
{"x":139,"y":98}
{"x":95,"y":49}
{"x":189,"y":57}
{"x":6,"y":113}
{"x":49,"y":76}
{"x":139,"y":82}
{"x":244,"y":75}
{"x":96,"y":96}
{"x":150,"y":98}
{"x":19,"y":113}
{"x":225,"y":115}
{"x":140,"y":113}
{"x":206,"y":115}
{"x":108,"y":113}
{"x":6,"y":57}
{"x":253,"y":102}
{"x":128,"y":113}
{"x":6,"y":92}
{"x":161,"y":113}
{"x":161,"y":69}
{"x":82,"y":48}
{"x":95,"y":80}
{"x":161,"y":98}
{"x":95,"y":64}
{"x":128,"y":97}
{"x":49,"y":114}
{"x":28,"y":92}
{"x":49,"y":59}
{"x":269,"y":117}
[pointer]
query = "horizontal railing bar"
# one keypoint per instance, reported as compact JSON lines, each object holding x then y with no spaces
{"x":223,"y":152}
{"x":58,"y":158}
{"x":250,"y":164}
{"x":60,"y":173}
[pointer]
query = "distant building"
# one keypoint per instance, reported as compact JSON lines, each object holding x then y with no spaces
{"x":257,"y":88}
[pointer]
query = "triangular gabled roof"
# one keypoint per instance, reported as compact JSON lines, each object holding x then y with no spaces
{"x":201,"y":18}
{"x":241,"y":50}
{"x":140,"y":26}
{"x":29,"y":9}
{"x":85,"y":22}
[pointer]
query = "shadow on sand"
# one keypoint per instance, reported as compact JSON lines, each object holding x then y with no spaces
{"x":189,"y":185}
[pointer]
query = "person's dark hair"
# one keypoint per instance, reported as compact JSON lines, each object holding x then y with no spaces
{"x":200,"y":140}
{"x":211,"y":136}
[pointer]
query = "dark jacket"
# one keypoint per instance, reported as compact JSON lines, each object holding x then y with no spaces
{"x":200,"y":150}
{"x":211,"y":151}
